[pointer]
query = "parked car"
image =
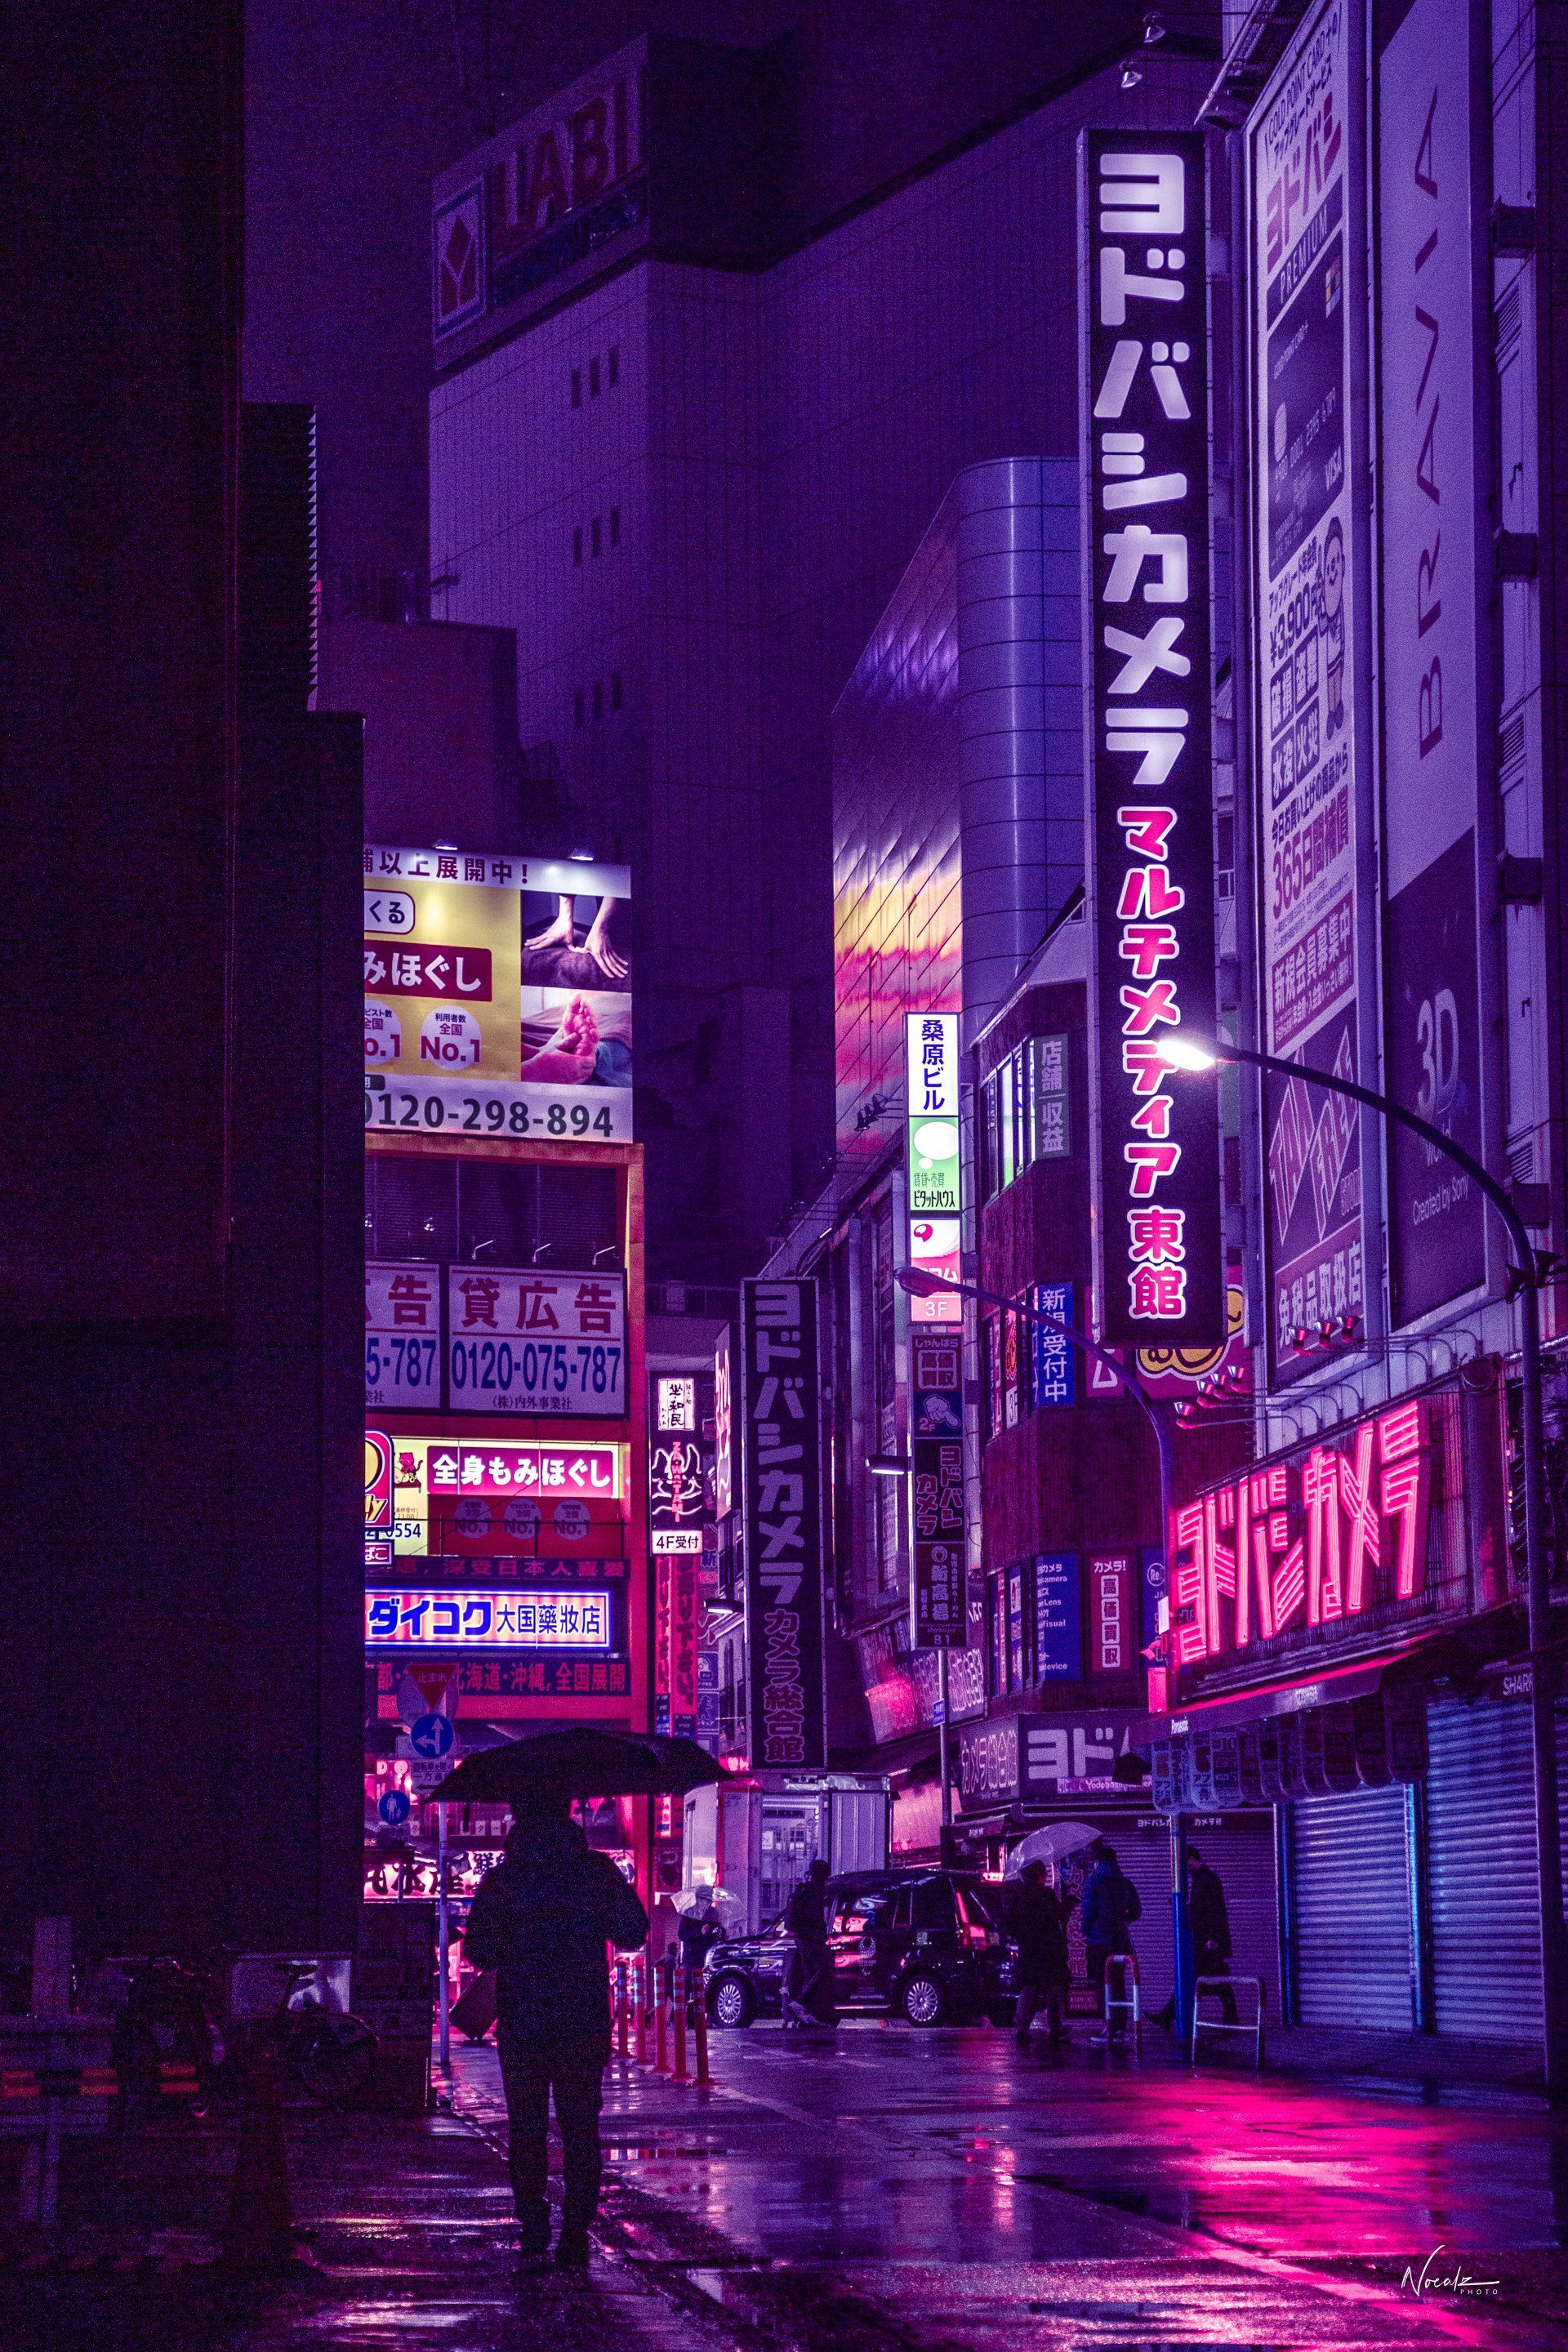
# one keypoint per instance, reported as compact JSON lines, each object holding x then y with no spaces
{"x":922,"y":1945}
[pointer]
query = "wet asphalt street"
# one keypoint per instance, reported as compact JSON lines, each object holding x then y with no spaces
{"x":946,"y":2189}
{"x":881,"y":2191}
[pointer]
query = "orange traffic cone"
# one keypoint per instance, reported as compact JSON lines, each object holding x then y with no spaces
{"x":260,"y":2232}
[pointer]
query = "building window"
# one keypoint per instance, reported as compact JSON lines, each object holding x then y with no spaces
{"x":579,"y":708}
{"x":615,"y":689}
{"x":576,"y":387}
{"x":597,"y":541}
{"x":1023,"y":1113}
{"x":598,"y":697}
{"x":615,"y":365}
{"x":577,"y":544}
{"x":615,"y":526}
{"x":594,"y":379}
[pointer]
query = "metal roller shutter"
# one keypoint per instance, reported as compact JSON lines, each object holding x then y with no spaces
{"x":1241,"y":1848}
{"x":1350,"y":1892}
{"x":1480,"y":1845}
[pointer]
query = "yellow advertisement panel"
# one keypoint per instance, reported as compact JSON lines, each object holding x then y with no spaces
{"x":497,"y":996}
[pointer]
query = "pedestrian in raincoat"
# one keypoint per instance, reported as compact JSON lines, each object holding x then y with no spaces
{"x":543,"y":1918}
{"x":1110,"y":1908}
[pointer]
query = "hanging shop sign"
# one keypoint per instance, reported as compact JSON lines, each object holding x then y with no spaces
{"x":726,"y":1429}
{"x":938,"y":1587}
{"x":1312,"y":596}
{"x":497,"y":997}
{"x":931,"y":1123}
{"x":1145,"y":406}
{"x":1053,"y":1358}
{"x":1014,"y":1757}
{"x":1058,"y":1625}
{"x":781,"y":1424}
{"x":523,"y":1341}
{"x":1395,"y":1520}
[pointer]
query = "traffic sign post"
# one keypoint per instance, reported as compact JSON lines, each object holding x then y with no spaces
{"x":432,"y":1737}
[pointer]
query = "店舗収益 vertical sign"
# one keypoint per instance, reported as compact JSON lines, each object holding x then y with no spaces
{"x":1145,"y":410}
{"x":781,"y":1449}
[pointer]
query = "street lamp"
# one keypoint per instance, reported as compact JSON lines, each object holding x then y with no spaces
{"x":919,"y":1284}
{"x":1186,"y":1053}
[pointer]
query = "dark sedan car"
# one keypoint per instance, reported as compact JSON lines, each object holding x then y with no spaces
{"x":917,"y":1944}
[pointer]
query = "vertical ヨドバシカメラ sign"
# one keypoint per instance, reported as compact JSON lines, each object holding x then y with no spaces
{"x":781,"y":1449}
{"x":1160,"y":1277}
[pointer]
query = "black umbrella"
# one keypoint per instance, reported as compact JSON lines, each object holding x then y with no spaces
{"x":578,"y":1761}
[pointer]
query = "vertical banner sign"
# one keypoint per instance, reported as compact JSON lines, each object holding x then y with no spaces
{"x":1058,"y":1629}
{"x":938,"y":1574}
{"x":782,"y":1498}
{"x":931,"y":1043}
{"x":1161,"y":1277}
{"x":1308,"y":622}
{"x":726,"y":1481}
{"x":1432,"y":627}
{"x":930,"y":1062}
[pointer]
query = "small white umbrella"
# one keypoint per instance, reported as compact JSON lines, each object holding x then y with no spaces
{"x":1051,"y":1844}
{"x":686,"y":1900}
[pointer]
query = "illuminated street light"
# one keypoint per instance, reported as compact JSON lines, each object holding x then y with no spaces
{"x":888,"y":1465}
{"x":1184,"y":1053}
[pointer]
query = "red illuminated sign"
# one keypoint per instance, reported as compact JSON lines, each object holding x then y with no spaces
{"x":541,"y":1471}
{"x":1319,"y":1538}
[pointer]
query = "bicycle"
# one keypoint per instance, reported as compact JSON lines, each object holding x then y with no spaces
{"x":164,"y":2040}
{"x":329,"y":2053}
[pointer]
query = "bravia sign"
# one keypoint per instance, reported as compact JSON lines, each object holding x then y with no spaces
{"x":1145,"y":408}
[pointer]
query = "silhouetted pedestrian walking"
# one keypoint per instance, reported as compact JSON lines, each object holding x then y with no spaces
{"x":543,"y":1918}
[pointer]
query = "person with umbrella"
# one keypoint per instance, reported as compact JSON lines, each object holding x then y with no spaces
{"x":542,"y":1918}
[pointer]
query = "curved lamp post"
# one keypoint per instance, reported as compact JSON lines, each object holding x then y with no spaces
{"x":1185,"y":1053}
{"x":921,"y":1285}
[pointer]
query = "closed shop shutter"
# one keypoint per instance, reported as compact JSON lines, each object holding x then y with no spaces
{"x":1240,"y":1847}
{"x":1351,"y":1892}
{"x":1480,"y":1830}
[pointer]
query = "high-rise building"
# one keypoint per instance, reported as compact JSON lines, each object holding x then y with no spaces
{"x":715,"y":332}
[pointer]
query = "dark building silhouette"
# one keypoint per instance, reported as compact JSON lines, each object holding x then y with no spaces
{"x":180,"y":1422}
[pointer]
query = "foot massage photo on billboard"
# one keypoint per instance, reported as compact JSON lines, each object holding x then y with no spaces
{"x":498,"y":995}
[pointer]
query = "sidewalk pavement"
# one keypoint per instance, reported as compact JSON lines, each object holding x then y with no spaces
{"x":876,"y":2190}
